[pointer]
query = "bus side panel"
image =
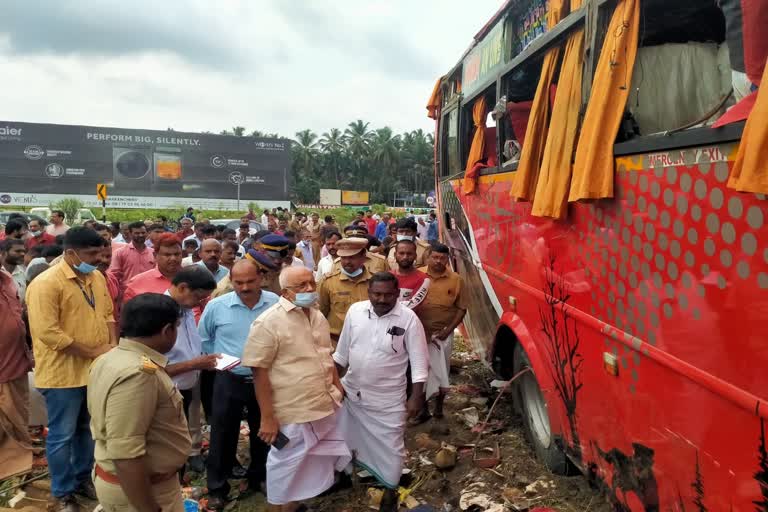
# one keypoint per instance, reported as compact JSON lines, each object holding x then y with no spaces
{"x":669,"y":280}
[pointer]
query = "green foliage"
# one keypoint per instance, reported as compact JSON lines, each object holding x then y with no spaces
{"x":358,"y":158}
{"x":70,"y":207}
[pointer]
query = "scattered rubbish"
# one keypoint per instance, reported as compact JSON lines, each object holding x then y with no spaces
{"x":411,"y":502}
{"x":498,"y":384}
{"x":479,"y":402}
{"x":488,"y":427}
{"x":439,"y":429}
{"x":511,"y":494}
{"x":469,"y":390}
{"x":425,"y":461}
{"x":422,"y":508}
{"x":424,"y":442}
{"x":487,"y":457}
{"x":193,"y":493}
{"x":470,"y":416}
{"x":374,"y":497}
{"x":16,"y":498}
{"x":539,"y":486}
{"x":446,"y":457}
{"x":475,"y":496}
{"x":191,"y":505}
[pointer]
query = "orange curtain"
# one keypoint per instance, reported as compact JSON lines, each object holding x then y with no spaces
{"x":750,"y":171}
{"x":524,"y":184}
{"x":433,"y":105}
{"x":594,"y":164}
{"x":554,"y":180}
{"x":477,"y":149}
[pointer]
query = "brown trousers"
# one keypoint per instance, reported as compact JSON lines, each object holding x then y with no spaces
{"x":15,"y":444}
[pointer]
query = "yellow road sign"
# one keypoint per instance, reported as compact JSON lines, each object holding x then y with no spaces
{"x":101,"y":192}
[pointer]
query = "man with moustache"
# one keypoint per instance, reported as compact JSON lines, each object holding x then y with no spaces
{"x":158,"y":279}
{"x":134,"y":258}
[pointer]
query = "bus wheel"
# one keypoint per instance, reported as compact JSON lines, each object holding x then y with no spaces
{"x":533,"y":407}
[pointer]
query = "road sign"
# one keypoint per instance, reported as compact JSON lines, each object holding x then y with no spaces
{"x":101,"y":192}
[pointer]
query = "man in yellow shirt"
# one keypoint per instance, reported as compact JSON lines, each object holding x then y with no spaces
{"x":71,"y":323}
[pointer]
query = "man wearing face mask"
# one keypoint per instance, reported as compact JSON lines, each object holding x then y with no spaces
{"x":224,"y":328}
{"x":406,"y":230}
{"x":38,"y":236}
{"x":71,"y":323}
{"x":345,"y":286}
{"x":373,"y":262}
{"x":137,"y":414}
{"x":380,"y":338}
{"x":299,"y":393}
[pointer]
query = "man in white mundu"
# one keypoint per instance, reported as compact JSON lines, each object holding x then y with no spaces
{"x":379,"y":338}
{"x":299,"y":394}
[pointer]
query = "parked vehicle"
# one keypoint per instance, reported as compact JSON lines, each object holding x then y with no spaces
{"x":235,"y":224}
{"x":83,"y":214}
{"x":637,"y":318}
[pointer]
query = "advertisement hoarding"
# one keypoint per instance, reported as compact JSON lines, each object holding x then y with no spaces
{"x":330,"y":196}
{"x":147,"y":166}
{"x":354,"y":198}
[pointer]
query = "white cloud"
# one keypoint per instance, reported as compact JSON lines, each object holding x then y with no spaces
{"x":278,"y":66}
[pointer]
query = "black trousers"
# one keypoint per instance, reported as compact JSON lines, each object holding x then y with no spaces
{"x":207,"y":379}
{"x":231,"y":394}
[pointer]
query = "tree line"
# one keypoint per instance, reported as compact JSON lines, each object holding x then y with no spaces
{"x":358,"y":157}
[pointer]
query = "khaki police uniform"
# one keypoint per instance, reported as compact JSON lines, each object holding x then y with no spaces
{"x":338,"y":292}
{"x":136,"y":411}
{"x":375,"y":263}
{"x":422,"y":252}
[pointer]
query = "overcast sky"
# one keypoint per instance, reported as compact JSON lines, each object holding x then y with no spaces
{"x":277,"y":66}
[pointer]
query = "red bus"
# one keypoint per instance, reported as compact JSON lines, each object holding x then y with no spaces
{"x":636,"y":292}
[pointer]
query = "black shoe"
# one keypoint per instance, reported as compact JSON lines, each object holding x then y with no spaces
{"x":65,"y":504}
{"x":87,"y":490}
{"x":195,"y":463}
{"x":216,"y":502}
{"x":238,"y":471}
{"x":389,"y":502}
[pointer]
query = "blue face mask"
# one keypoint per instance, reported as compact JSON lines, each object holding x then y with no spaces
{"x":84,"y":268}
{"x":352,"y":274}
{"x":306,"y":299}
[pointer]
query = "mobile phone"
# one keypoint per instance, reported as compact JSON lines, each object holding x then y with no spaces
{"x":281,"y":441}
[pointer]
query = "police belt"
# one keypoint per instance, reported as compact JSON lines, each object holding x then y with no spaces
{"x":112,"y":478}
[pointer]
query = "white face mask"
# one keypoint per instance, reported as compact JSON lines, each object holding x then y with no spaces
{"x":400,"y":238}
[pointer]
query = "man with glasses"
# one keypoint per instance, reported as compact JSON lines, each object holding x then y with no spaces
{"x":57,"y":226}
{"x":299,"y":393}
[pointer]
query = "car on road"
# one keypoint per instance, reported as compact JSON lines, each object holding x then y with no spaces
{"x":4,"y":215}
{"x":83,"y":214}
{"x":235,"y":224}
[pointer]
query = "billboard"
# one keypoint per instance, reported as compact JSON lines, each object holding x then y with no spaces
{"x":330,"y":196}
{"x":149,"y":166}
{"x":354,"y":198}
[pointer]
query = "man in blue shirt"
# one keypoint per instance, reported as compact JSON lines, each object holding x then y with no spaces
{"x":381,"y":228}
{"x":224,"y":328}
{"x":432,"y":234}
{"x":189,"y":288}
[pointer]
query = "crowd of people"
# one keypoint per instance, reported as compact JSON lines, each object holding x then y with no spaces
{"x":326,"y":341}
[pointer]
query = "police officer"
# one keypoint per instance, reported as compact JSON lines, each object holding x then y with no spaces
{"x":406,"y":230}
{"x":346,"y":285}
{"x":137,"y":414}
{"x":267,"y":268}
{"x":375,"y":263}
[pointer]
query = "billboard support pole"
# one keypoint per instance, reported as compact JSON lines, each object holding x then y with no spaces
{"x":238,"y":196}
{"x":104,"y":210}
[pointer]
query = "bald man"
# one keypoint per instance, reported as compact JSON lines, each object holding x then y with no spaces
{"x":210,"y":258}
{"x":299,"y":393}
{"x":224,"y":328}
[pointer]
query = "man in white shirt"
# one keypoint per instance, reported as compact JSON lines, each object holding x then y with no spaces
{"x":306,"y":249}
{"x":325,"y":264}
{"x":379,"y":338}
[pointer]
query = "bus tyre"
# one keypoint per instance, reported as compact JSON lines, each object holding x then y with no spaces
{"x":533,"y":408}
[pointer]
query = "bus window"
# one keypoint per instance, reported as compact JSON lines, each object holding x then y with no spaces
{"x":682,"y":74}
{"x":467,"y":130}
{"x":450,"y":137}
{"x":518,"y":89}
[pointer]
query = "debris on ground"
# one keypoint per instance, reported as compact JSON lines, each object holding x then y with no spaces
{"x":462,"y":462}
